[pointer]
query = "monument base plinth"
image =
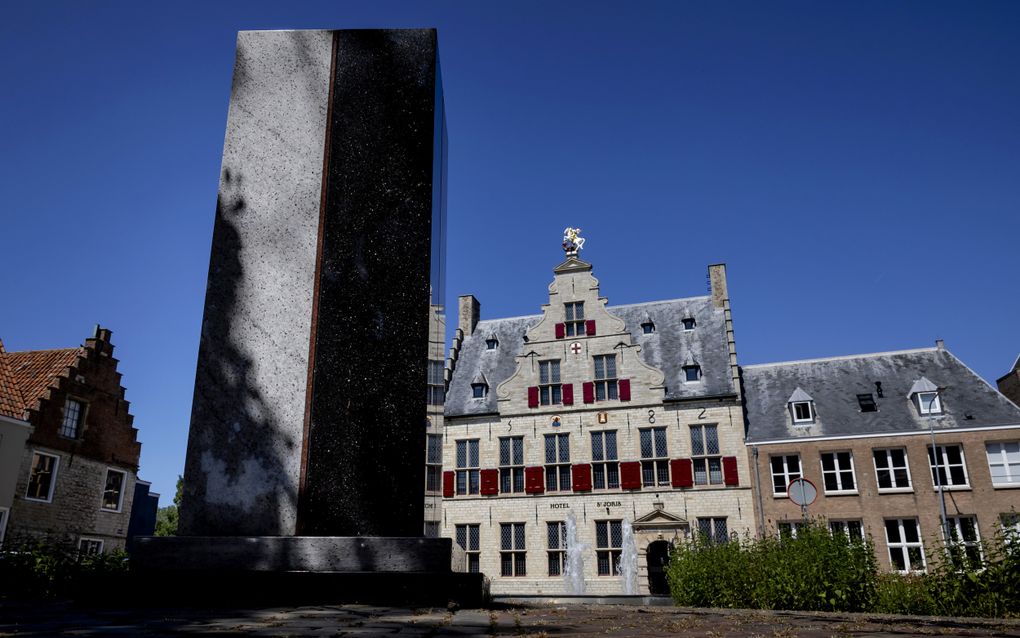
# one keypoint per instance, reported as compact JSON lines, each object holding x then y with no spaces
{"x":299,"y":570}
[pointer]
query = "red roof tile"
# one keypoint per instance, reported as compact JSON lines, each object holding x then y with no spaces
{"x":11,"y":401}
{"x":34,"y":370}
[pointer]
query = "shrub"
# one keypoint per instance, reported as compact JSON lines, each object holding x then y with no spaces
{"x":44,"y":568}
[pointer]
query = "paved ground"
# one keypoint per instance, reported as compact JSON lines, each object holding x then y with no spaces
{"x":546,"y":622}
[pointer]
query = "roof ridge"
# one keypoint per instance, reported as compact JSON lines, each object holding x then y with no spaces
{"x":44,"y":350}
{"x":839,"y":358}
{"x":648,"y":303}
{"x":481,"y":321}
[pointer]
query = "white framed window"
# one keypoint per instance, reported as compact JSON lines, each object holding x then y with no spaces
{"x":1009,"y":523}
{"x":42,"y":477}
{"x":512,"y":550}
{"x":785,"y":468}
{"x":467,"y":466}
{"x":74,"y":418}
{"x":3,"y":523}
{"x":556,"y":536}
{"x":964,"y":542}
{"x":713,"y":529}
{"x":1004,"y":463}
{"x":654,"y":457}
{"x":803,"y":411}
{"x":648,"y":327}
{"x":479,"y":390}
{"x":789,"y":529}
{"x":705,"y":457}
{"x":550,"y":390}
{"x":605,"y":469}
{"x":90,"y":546}
{"x":903,"y":538}
{"x":574,"y":312}
{"x":113,"y":490}
{"x":838,"y":473}
{"x":511,"y":464}
{"x":433,"y":462}
{"x":605,"y":377}
{"x":929,"y":403}
{"x":491,"y":343}
{"x":891,"y":470}
{"x":689,"y":323}
{"x":608,"y":546}
{"x":851,"y":528}
{"x":948,"y":468}
{"x":557,"y":462}
{"x":692,"y":374}
{"x":467,"y":536}
{"x":436,"y":383}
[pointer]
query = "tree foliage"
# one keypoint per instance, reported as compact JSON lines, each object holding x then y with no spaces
{"x":167,"y":517}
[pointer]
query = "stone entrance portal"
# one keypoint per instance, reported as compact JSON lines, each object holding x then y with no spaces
{"x":657,"y":559}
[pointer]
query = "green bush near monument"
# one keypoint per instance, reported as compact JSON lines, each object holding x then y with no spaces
{"x":34,"y":569}
{"x":821,"y":571}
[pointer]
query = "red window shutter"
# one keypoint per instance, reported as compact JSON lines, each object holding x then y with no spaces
{"x":447,"y":484}
{"x":580,"y":475}
{"x":534,"y":480}
{"x":682,"y":471}
{"x":624,"y":386}
{"x":729,"y":470}
{"x":589,"y":327}
{"x":568,"y":394}
{"x":489,"y":482}
{"x":630,"y":475}
{"x":588,"y":390}
{"x":533,"y":396}
{"x":560,"y":330}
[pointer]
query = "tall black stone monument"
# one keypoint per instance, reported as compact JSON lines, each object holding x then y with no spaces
{"x":307,"y":442}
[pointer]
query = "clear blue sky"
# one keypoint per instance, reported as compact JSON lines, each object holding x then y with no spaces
{"x":856,"y":165}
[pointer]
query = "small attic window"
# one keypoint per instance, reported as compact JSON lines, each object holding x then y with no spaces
{"x":648,"y":327}
{"x":689,"y":323}
{"x":867,"y":402}
{"x":692,"y":374}
{"x":491,"y":342}
{"x":929,"y":402}
{"x":803,"y":411}
{"x":479,"y":390}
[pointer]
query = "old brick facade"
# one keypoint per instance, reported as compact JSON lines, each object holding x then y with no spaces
{"x":77,"y":476}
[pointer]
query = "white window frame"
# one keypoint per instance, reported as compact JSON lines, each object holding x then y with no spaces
{"x":573,"y":319}
{"x":472,"y":545}
{"x":654,"y":464}
{"x":715,"y":528}
{"x":550,"y":388}
{"x":468,"y":472}
{"x":516,"y":550}
{"x":53,"y":477}
{"x":511,"y":464}
{"x":838,"y":472}
{"x":608,"y":553}
{"x":79,"y":424}
{"x":1009,"y":523}
{"x":933,"y":407}
{"x":697,"y":371}
{"x":852,"y":528}
{"x":557,"y":462}
{"x":955,"y":524}
{"x":786,"y":473}
{"x":933,"y":458}
{"x":606,"y":385}
{"x":811,"y":412}
{"x":703,"y":461}
{"x":789,"y":529}
{"x":120,"y":498}
{"x":433,"y":463}
{"x":891,"y":469}
{"x":556,"y":541}
{"x":903,"y":546}
{"x":89,"y":539}
{"x":999,"y":458}
{"x":604,"y":464}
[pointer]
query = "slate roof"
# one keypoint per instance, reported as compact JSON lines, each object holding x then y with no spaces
{"x":968,"y":401}
{"x":11,"y":401}
{"x":665,"y":349}
{"x":34,"y":370}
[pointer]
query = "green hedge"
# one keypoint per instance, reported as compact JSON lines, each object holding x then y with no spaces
{"x":820,"y":571}
{"x":45,"y":568}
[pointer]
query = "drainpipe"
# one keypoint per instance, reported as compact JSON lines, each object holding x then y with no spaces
{"x":757,"y":482}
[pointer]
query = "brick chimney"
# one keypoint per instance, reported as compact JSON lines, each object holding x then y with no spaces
{"x":100,"y":341}
{"x":721,"y":301}
{"x":467,"y":318}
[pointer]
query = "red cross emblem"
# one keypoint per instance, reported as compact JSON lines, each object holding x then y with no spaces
{"x":575,"y":347}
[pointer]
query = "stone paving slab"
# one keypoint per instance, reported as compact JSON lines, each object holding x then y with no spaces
{"x":363,"y":621}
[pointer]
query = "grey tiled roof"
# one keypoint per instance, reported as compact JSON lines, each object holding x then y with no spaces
{"x":967,"y":400}
{"x":666,"y":349}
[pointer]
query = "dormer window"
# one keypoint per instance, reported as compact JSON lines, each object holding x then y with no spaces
{"x":926,"y":397}
{"x":692,"y":373}
{"x":802,"y":407}
{"x":689,"y":323}
{"x":479,"y":386}
{"x":648,"y":327}
{"x":574,"y":325}
{"x":491,"y":342}
{"x":867,"y":402}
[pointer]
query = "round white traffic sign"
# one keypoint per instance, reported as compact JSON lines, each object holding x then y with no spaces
{"x":802,"y":491}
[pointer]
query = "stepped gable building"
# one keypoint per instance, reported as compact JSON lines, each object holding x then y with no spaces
{"x":886,"y":438}
{"x":607,"y":418}
{"x":77,"y":472}
{"x":1009,"y":384}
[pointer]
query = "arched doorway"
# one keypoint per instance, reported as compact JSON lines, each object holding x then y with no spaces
{"x":658,"y":560}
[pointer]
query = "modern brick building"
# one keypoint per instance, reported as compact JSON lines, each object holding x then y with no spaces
{"x":78,"y":470}
{"x":887,"y":439}
{"x":616,"y":416}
